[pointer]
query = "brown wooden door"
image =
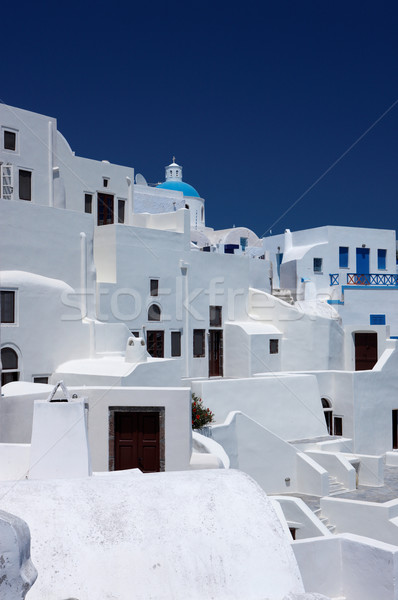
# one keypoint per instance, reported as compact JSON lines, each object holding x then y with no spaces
{"x":137,"y":441}
{"x":215,"y":353}
{"x":365,"y":351}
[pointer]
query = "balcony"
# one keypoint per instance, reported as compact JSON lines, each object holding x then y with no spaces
{"x":372,"y":279}
{"x":376,"y":279}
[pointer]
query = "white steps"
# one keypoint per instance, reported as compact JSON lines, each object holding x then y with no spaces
{"x":335,"y":487}
{"x":325,"y":521}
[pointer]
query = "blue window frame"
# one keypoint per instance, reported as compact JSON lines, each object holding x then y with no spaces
{"x":377,"y":319}
{"x":317,"y":265}
{"x":343,"y":256}
{"x":381,"y":258}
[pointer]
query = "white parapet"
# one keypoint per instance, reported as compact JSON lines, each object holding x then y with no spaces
{"x":59,"y":446}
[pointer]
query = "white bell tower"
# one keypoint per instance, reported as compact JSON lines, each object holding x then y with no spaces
{"x":173,"y":172}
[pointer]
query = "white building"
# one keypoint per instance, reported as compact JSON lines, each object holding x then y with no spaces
{"x":119,"y":288}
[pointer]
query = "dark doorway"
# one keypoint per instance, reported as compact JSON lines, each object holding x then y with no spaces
{"x":137,"y":441}
{"x":328,"y":412}
{"x":365,"y":351}
{"x":215,"y":353}
{"x":395,"y":429}
{"x":105,"y":209}
{"x":155,"y":343}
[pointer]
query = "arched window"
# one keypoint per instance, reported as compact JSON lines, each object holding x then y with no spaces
{"x":328,"y":412}
{"x":154,"y":313}
{"x":202,"y":214}
{"x":187,"y":206}
{"x":9,"y":360}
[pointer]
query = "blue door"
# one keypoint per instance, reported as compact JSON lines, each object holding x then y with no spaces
{"x":363,"y":265}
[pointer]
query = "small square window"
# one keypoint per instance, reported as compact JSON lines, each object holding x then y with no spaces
{"x":10,"y":140}
{"x":199,"y":343}
{"x":215,"y":316}
{"x":88,"y":203}
{"x":7,"y":299}
{"x":25,"y":185}
{"x":40,"y":379}
{"x":176,"y":343}
{"x":154,"y":287}
{"x":105,"y":181}
{"x":120,"y":211}
{"x":317,"y":265}
{"x":273,"y":346}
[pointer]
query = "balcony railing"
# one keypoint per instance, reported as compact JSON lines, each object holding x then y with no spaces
{"x":372,"y":279}
{"x":366,"y":279}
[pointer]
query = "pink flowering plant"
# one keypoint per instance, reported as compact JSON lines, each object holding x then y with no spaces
{"x":201,"y":415}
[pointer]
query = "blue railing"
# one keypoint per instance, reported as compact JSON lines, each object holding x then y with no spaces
{"x":372,"y":279}
{"x":334,"y":278}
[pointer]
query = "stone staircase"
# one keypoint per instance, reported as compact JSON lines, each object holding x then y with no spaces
{"x":325,"y":521}
{"x":283,"y":294}
{"x":335,"y":487}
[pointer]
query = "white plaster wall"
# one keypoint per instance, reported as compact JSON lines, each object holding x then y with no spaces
{"x":372,"y":519}
{"x":189,"y":282}
{"x":301,"y":517}
{"x":14,"y":461}
{"x":16,"y":413}
{"x":177,"y":405}
{"x":180,"y":540}
{"x":310,"y":340}
{"x":36,"y":140}
{"x":361,"y":302}
{"x":59,"y":447}
{"x":115,"y":371}
{"x":247,"y":349}
{"x":287,"y":405}
{"x":348,"y":566}
{"x":247,"y":443}
{"x":51,"y":241}
{"x":336,"y":465}
{"x":47,"y":331}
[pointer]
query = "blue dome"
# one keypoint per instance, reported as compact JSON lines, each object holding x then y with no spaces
{"x":179,"y":186}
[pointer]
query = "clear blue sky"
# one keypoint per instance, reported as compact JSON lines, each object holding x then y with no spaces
{"x":256,"y":100}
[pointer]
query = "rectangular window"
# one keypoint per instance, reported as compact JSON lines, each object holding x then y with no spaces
{"x":88,"y":203}
{"x":273,"y":346}
{"x":25,"y":185}
{"x":199,"y":343}
{"x":120,"y":211}
{"x":155,"y":343}
{"x":176,"y":343}
{"x":338,"y":425}
{"x":7,"y":300}
{"x":135,"y":333}
{"x":105,"y":209}
{"x":343,"y":257}
{"x":215,"y":316}
{"x":317,"y":265}
{"x":40,"y":379}
{"x":10,"y":140}
{"x":105,"y":181}
{"x":154,"y":286}
{"x":381,"y":259}
{"x":377,"y":319}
